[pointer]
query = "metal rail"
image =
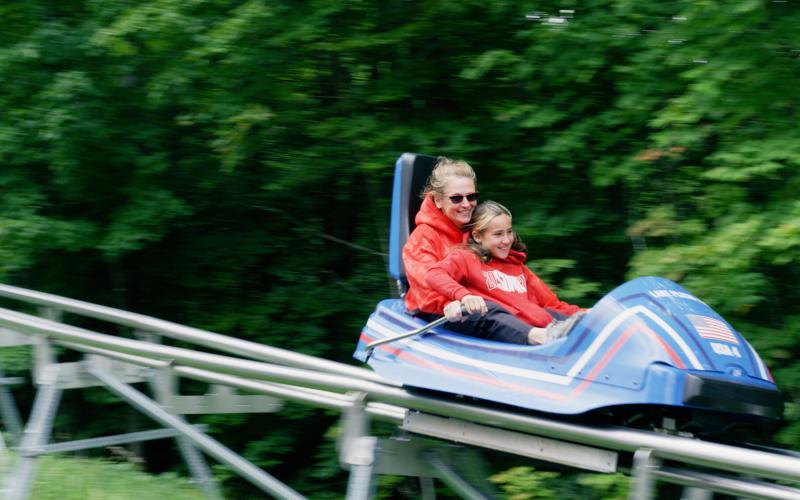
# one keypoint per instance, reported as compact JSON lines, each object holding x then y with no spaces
{"x":210,"y":446}
{"x":240,"y":347}
{"x":692,"y":451}
{"x":303,"y":395}
{"x":328,"y":384}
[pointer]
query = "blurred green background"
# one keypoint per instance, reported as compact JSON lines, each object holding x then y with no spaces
{"x":227,"y":165}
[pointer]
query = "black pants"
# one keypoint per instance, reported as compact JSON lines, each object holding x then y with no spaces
{"x":497,"y":324}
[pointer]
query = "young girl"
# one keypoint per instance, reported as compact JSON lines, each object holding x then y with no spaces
{"x":488,"y":277}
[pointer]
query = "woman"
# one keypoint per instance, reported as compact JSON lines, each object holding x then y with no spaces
{"x":488,"y":277}
{"x":449,"y":198}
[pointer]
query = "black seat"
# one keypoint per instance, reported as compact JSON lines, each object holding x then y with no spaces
{"x":411,"y":171}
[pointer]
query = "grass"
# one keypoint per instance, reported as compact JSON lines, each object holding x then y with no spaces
{"x":71,"y":478}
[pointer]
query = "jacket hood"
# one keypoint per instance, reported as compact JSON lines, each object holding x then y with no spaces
{"x":515,"y":257}
{"x":432,"y":216}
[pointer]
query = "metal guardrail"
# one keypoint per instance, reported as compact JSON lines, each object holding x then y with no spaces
{"x":677,"y":448}
{"x":329,"y":384}
{"x":303,"y":395}
{"x":232,"y":345}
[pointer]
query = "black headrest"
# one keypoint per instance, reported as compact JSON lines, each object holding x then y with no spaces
{"x":410,"y":174}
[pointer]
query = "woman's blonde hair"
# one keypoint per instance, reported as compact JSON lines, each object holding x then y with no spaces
{"x":482,"y":216}
{"x":445,"y":170}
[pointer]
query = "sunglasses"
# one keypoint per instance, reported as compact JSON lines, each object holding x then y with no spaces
{"x":459,"y":197}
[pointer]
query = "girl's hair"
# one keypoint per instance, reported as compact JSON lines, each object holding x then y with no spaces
{"x":481,"y":218}
{"x":443,"y":172}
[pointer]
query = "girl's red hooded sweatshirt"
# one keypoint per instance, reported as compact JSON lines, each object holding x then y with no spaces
{"x":509,"y":283}
{"x":429,"y":243}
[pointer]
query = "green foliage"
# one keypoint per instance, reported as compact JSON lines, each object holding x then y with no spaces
{"x":15,"y":360}
{"x":77,"y":478}
{"x":606,"y":486}
{"x":524,"y":483}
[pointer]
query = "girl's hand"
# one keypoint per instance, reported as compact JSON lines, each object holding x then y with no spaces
{"x":474,"y":304}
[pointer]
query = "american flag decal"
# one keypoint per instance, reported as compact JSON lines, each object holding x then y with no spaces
{"x":712,"y":329}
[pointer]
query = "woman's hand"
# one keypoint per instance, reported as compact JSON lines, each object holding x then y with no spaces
{"x":452,"y":312}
